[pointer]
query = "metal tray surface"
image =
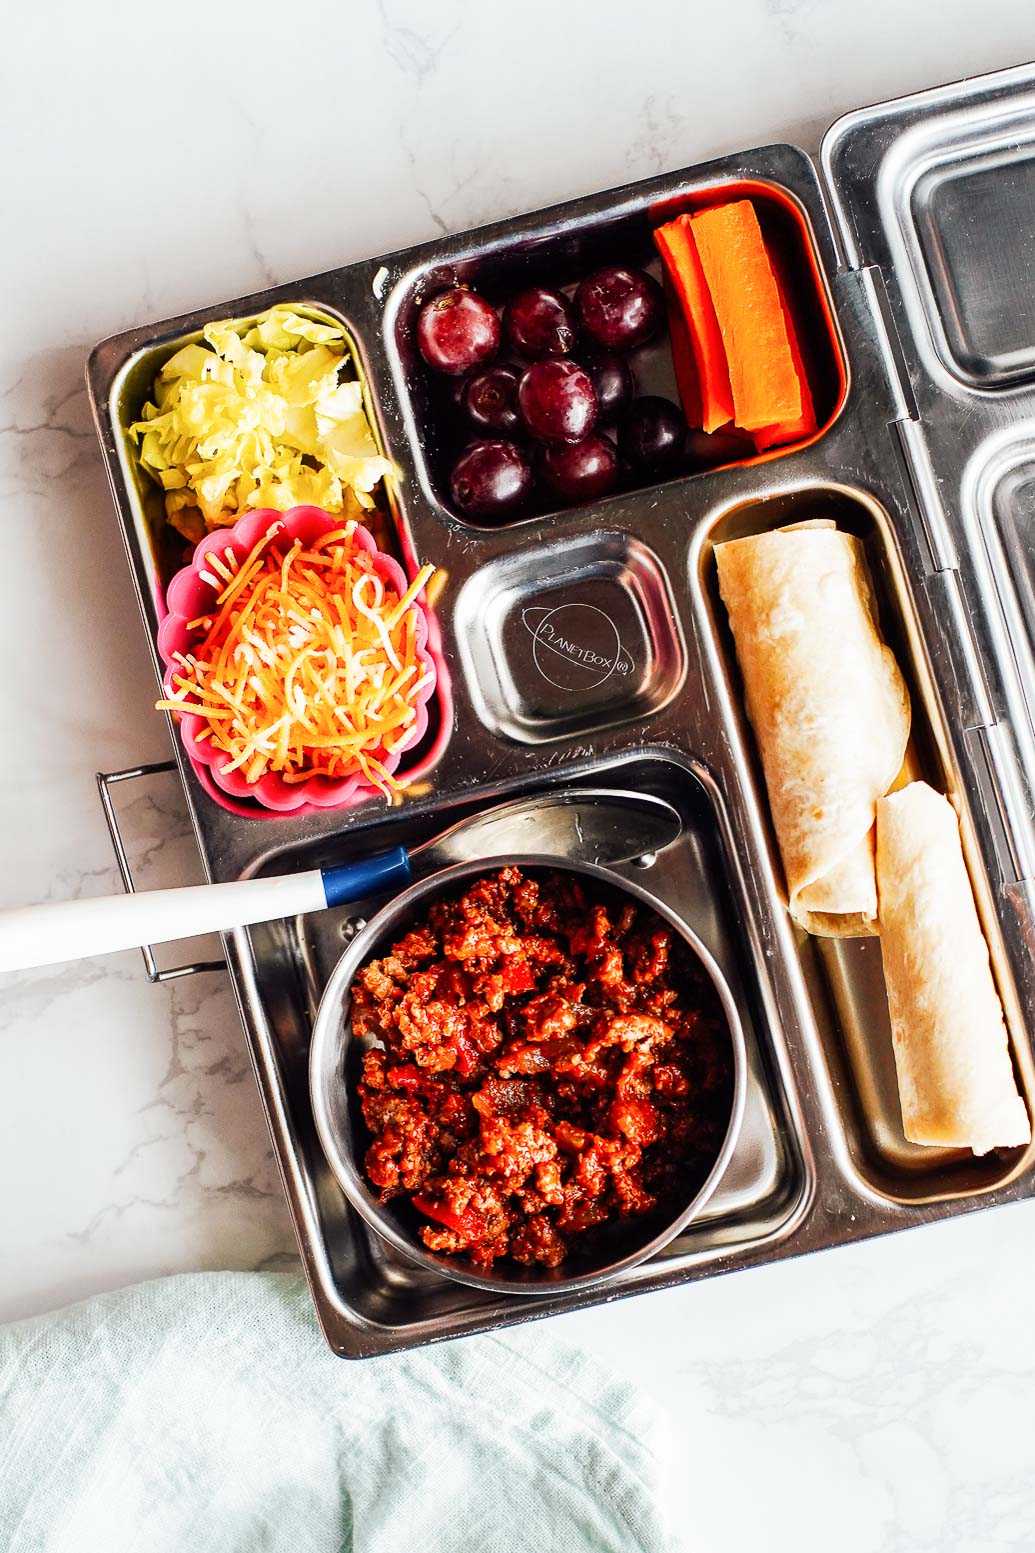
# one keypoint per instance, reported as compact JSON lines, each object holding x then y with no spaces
{"x":822,"y":1159}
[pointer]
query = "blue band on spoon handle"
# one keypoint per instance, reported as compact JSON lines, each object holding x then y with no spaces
{"x":372,"y":876}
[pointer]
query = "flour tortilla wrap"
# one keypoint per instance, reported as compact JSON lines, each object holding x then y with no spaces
{"x":829,"y":708}
{"x":955,"y":1077}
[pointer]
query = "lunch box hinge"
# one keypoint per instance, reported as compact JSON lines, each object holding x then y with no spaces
{"x":876,"y":296}
{"x":952,"y":638}
{"x":904,"y":420}
{"x":941,"y":552}
{"x":1007,"y":807}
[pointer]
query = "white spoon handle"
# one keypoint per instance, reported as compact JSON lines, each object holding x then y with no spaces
{"x":75,"y":930}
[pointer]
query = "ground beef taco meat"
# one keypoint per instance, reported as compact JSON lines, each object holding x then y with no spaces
{"x":551,"y":1057}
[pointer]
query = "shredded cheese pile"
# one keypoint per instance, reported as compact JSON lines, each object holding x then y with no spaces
{"x":308,"y":664}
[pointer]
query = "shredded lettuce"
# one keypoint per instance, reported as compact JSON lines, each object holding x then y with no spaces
{"x":259,"y":417}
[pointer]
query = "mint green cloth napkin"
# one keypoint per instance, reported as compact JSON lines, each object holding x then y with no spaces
{"x":204,"y":1414}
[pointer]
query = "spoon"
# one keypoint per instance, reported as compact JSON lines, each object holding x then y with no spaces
{"x":589,"y":825}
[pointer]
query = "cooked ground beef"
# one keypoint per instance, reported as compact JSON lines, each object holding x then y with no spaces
{"x":547,"y":1062}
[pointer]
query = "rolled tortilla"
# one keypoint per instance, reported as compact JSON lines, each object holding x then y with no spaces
{"x":829,"y":708}
{"x":955,"y":1078}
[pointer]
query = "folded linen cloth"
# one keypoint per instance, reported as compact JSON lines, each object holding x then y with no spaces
{"x":204,"y":1414}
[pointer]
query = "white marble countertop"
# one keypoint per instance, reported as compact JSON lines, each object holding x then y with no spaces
{"x":873,"y":1398}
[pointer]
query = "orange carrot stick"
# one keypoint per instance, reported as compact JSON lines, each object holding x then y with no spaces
{"x":683,"y":362}
{"x":675,"y":242}
{"x":739,"y":276}
{"x":805,"y":425}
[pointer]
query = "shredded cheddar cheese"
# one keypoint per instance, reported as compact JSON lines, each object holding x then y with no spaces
{"x":307,"y":664}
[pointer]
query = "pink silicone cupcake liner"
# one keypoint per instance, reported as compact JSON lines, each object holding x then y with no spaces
{"x":190,"y":596}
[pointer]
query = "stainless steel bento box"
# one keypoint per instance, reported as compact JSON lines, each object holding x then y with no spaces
{"x":913,"y":235}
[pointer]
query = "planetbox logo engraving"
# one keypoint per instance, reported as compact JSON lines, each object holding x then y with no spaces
{"x":575,"y":646}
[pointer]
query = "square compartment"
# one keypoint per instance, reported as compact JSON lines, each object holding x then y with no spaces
{"x":570,"y":638}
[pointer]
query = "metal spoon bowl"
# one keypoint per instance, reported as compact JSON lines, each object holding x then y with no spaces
{"x":335,"y":1061}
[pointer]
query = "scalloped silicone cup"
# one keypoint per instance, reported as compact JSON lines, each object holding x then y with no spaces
{"x":189,"y":596}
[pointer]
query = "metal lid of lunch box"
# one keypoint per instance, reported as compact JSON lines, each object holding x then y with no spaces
{"x":934,"y":196}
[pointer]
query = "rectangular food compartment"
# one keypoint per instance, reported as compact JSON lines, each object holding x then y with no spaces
{"x":568,"y":639}
{"x":133,"y":386}
{"x":998,"y":511}
{"x":160,"y":550}
{"x":1000,"y":502}
{"x":359,"y":1281}
{"x":566,"y":249}
{"x":844,"y":976}
{"x":971,"y":214}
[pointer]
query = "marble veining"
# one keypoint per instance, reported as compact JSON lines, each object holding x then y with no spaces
{"x":877,"y":1396}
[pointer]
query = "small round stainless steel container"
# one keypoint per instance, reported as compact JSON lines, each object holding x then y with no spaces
{"x":334,"y":1069}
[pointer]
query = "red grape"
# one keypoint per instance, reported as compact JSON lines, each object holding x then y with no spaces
{"x":539,"y":323}
{"x":557,"y":401}
{"x":457,"y":330}
{"x":620,"y":308}
{"x":581,"y":471}
{"x":489,"y":399}
{"x":652,"y":433}
{"x":491,"y":480}
{"x":612,"y":380}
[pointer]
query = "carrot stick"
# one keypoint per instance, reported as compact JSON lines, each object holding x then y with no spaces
{"x":683,"y":363}
{"x":805,"y":425}
{"x":675,"y":242}
{"x":751,"y":319}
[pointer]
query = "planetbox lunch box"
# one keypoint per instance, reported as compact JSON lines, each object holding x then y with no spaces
{"x":908,"y":247}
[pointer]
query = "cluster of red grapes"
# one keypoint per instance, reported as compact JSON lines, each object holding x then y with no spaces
{"x":541,"y":421}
